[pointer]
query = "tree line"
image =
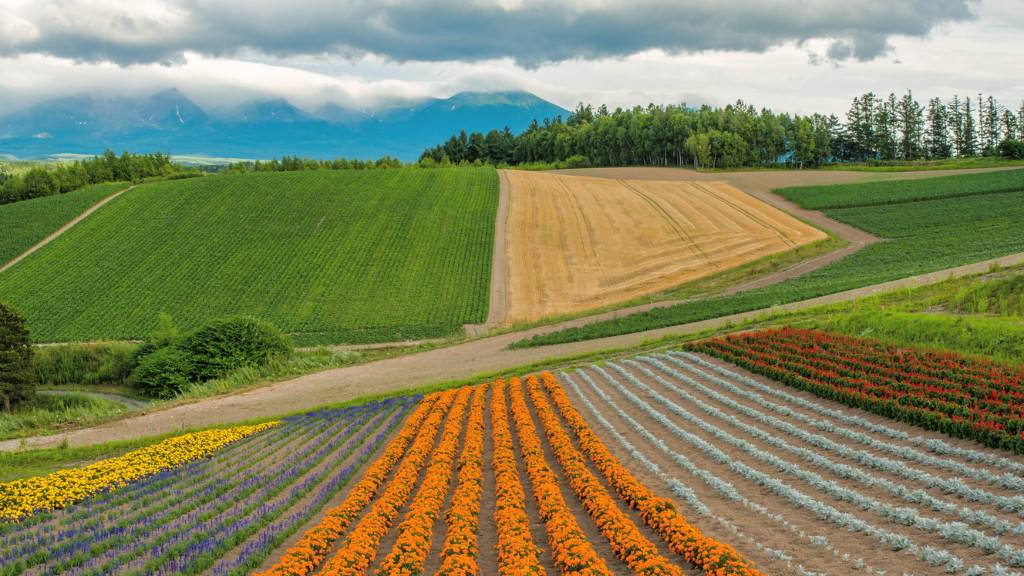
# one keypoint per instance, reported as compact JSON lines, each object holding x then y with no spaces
{"x":66,"y":177}
{"x":298,"y":163}
{"x":876,"y":130}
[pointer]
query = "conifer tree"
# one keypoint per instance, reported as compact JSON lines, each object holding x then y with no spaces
{"x":16,"y":375}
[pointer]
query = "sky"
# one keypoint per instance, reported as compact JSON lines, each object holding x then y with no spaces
{"x":796,"y":56}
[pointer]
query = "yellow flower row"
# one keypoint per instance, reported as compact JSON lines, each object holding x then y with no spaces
{"x":23,"y":498}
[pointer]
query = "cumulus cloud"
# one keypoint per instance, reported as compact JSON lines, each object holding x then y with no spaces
{"x":531,"y":33}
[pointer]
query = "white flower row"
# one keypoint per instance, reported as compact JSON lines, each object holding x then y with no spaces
{"x":794,"y":496}
{"x":680,"y":489}
{"x":822,"y":510}
{"x":723,"y":487}
{"x":933,"y":445}
{"x":1006,"y":480}
{"x":953,"y":531}
{"x":917,"y":496}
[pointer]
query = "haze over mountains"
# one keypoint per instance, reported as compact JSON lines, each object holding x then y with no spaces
{"x":260,"y":128}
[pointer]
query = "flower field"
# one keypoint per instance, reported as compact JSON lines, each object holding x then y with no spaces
{"x":668,"y":464}
{"x":967,"y":398}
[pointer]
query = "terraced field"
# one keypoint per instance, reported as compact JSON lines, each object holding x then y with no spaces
{"x":330,"y":256}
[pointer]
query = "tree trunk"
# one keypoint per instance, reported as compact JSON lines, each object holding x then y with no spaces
{"x":7,"y":401}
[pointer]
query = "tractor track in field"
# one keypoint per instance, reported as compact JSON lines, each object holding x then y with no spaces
{"x":65,"y":228}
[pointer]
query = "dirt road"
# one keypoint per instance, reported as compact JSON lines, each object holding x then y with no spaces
{"x":455,"y":362}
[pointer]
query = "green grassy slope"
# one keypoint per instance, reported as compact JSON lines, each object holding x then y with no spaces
{"x":346,"y":256}
{"x":924,"y":237}
{"x":24,"y":224}
{"x":902,"y":191}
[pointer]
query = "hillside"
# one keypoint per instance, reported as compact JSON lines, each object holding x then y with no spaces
{"x":24,"y":224}
{"x":348,"y":256}
{"x":261,"y":128}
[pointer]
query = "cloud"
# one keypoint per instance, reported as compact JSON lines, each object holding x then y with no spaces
{"x":531,"y":33}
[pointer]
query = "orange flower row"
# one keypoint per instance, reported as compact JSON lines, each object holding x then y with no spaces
{"x":361,"y":545}
{"x":415,"y":532}
{"x":459,"y":553}
{"x":627,"y":542}
{"x":309,"y":552}
{"x":711,"y":556}
{"x":517,"y":554}
{"x":569,"y":546}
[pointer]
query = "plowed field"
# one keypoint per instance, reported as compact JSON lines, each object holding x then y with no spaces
{"x":576,"y":244}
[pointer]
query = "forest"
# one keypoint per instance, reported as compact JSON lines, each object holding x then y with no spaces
{"x":877,"y":130}
{"x":66,"y":177}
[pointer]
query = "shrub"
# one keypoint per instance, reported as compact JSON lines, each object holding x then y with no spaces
{"x":209,"y":352}
{"x":1011,"y":149}
{"x":16,"y":378}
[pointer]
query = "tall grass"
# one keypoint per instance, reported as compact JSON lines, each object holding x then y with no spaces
{"x":95,"y":364}
{"x":51,"y":410}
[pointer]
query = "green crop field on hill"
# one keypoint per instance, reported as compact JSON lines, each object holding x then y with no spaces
{"x":25,"y":224}
{"x":329,"y":256}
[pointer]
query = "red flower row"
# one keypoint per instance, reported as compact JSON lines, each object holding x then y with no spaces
{"x":852,"y":371}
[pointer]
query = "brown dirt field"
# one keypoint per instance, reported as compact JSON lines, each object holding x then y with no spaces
{"x":576,"y":244}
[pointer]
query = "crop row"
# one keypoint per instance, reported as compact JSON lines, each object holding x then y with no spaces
{"x":25,"y":224}
{"x":1000,"y":509}
{"x":903,"y":191}
{"x":366,"y":255}
{"x":987,"y":408}
{"x":186,"y":517}
{"x":925,"y":237}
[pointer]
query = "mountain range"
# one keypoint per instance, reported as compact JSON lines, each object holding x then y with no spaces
{"x":263,"y":129}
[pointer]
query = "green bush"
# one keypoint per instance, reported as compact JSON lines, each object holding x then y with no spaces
{"x":1011,"y":149}
{"x":208,"y":352}
{"x":229,"y":343}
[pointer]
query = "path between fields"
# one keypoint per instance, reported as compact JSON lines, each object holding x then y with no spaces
{"x":454,"y":362}
{"x":496,"y":310}
{"x":65,"y":228}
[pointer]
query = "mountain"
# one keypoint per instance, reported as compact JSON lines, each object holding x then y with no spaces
{"x":261,"y":128}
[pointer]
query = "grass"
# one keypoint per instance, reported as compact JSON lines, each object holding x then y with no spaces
{"x":328,"y":256}
{"x":889,"y":192}
{"x":53,"y":412}
{"x":928,"y":165}
{"x":24,"y":224}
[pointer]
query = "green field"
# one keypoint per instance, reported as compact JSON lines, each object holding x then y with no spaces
{"x":924,"y":237}
{"x":329,"y":256}
{"x":25,"y":224}
{"x":903,"y":191}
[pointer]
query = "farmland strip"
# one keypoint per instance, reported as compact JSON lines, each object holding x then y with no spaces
{"x":517,"y":553}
